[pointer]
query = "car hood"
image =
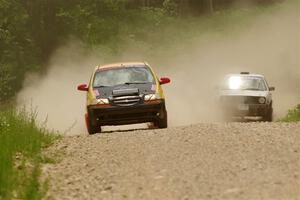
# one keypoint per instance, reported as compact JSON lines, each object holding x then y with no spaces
{"x":252,"y":93}
{"x":106,"y":92}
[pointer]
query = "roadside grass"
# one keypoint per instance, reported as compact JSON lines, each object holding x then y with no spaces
{"x":293,"y":115}
{"x":21,"y":142}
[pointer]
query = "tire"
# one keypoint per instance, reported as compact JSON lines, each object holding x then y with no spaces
{"x":91,"y":126}
{"x":269,"y":115}
{"x":163,"y":122}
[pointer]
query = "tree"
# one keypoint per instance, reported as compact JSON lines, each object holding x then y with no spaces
{"x":210,"y":6}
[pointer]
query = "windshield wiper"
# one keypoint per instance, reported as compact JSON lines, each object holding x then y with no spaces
{"x":129,"y":83}
{"x":100,"y":86}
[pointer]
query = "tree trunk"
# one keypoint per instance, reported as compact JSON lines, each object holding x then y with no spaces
{"x":146,"y":3}
{"x":183,"y":6}
{"x":210,"y":6}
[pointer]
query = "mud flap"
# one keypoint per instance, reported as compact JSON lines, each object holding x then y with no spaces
{"x":86,"y":121}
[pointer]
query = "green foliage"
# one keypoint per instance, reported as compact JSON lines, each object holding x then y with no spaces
{"x":6,"y":82}
{"x":293,"y":115}
{"x":21,"y":141}
{"x":170,"y":7}
{"x":30,"y":31}
{"x":17,"y":50}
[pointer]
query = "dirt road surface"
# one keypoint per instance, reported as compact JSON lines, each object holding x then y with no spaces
{"x":202,"y":161}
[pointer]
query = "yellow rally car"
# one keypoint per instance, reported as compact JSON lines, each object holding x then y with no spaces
{"x":124,"y":93}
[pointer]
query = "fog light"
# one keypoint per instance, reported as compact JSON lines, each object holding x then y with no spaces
{"x":100,"y":101}
{"x":151,"y":97}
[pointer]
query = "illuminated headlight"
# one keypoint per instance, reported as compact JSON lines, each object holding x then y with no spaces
{"x":234,"y":82}
{"x":151,"y":97}
{"x":100,"y":101}
{"x":262,"y":100}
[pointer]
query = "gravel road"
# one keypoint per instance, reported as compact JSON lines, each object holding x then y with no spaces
{"x":203,"y":161}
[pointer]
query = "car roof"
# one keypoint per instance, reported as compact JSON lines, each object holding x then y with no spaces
{"x":252,"y":75}
{"x":122,"y":64}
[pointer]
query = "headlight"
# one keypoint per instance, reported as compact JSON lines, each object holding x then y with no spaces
{"x":235,"y":82}
{"x":262,"y":100}
{"x":100,"y":101}
{"x":151,"y":97}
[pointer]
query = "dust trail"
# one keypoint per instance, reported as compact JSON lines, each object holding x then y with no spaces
{"x":270,"y":45}
{"x":55,"y":94}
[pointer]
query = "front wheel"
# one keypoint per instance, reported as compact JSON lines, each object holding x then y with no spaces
{"x":163,"y":121}
{"x":269,"y":115}
{"x":91,"y":126}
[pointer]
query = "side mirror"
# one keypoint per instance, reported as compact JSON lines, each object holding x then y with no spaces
{"x":164,"y":80}
{"x":271,"y":88}
{"x":82,"y":87}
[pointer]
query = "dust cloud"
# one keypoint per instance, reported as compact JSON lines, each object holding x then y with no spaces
{"x":269,"y":45}
{"x":54,"y":95}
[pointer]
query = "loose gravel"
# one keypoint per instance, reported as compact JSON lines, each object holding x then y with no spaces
{"x":203,"y":161}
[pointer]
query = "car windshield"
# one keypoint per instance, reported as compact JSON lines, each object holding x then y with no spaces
{"x":122,"y":75}
{"x":236,"y":82}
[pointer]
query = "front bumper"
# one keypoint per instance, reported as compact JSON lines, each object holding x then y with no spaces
{"x":246,"y":110}
{"x":121,"y":115}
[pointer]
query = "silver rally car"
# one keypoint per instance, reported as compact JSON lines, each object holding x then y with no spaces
{"x":246,"y":95}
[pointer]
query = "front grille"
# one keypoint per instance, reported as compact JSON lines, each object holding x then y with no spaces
{"x":126,"y":100}
{"x":239,"y":100}
{"x":126,"y":97}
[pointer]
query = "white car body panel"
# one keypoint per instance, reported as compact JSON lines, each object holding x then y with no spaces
{"x":267,"y":94}
{"x":241,"y":102}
